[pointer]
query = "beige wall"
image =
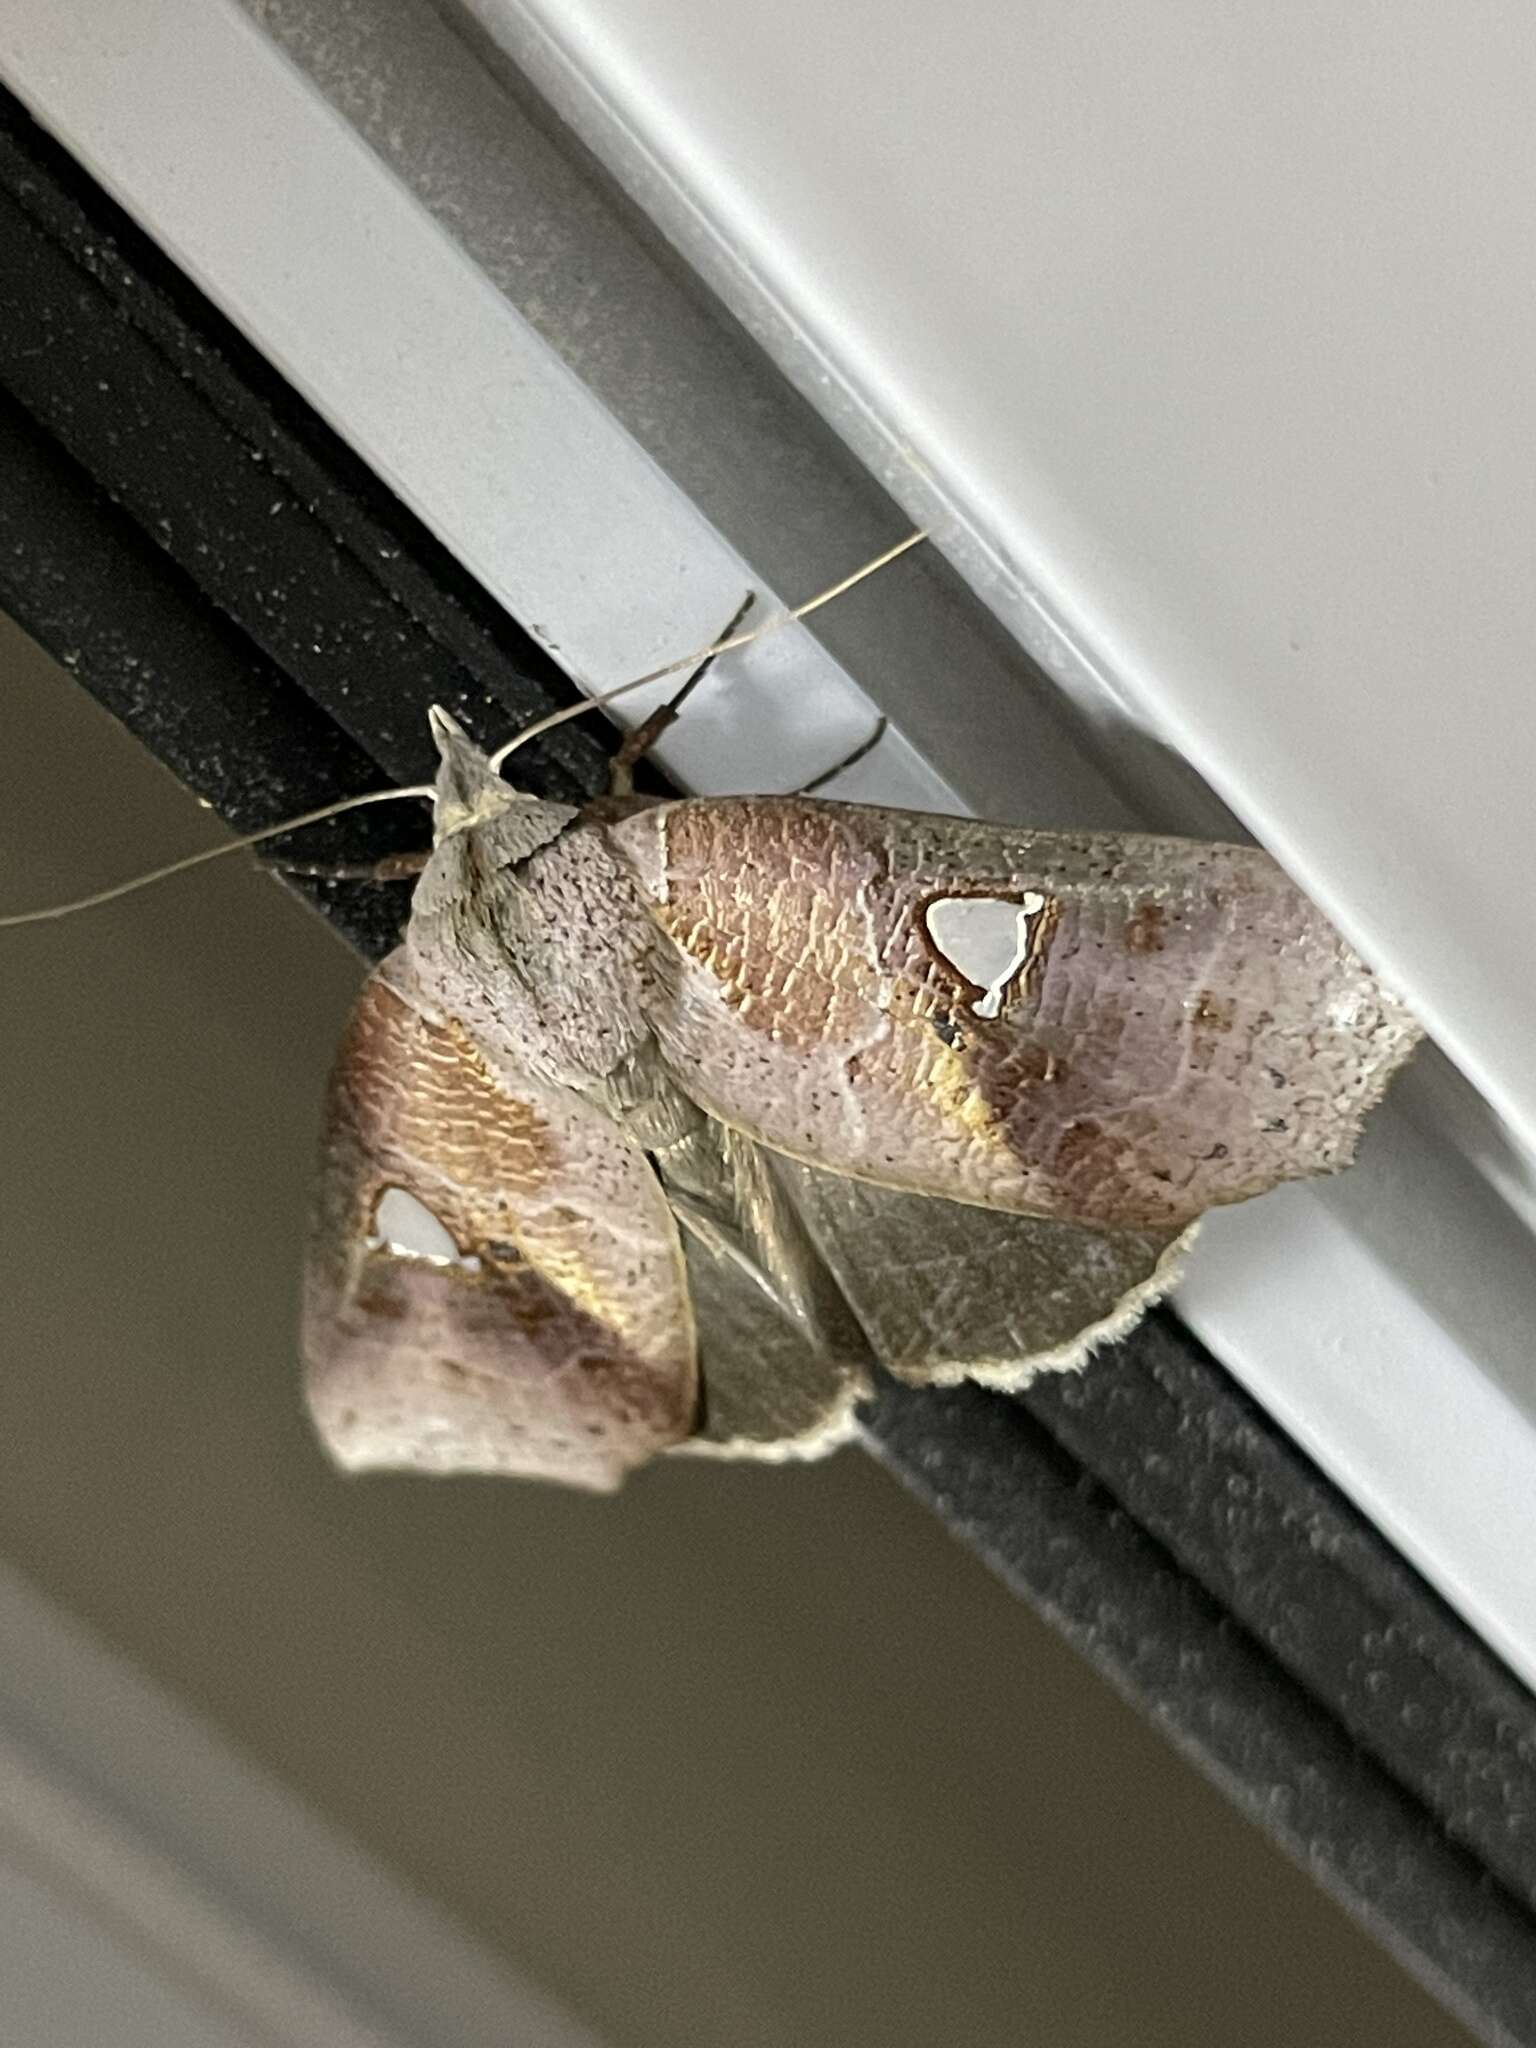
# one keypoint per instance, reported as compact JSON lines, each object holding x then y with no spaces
{"x":748,"y":1759}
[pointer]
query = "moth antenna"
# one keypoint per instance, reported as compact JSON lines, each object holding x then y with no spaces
{"x":546,"y":724}
{"x":196,"y":860}
{"x":426,"y":790}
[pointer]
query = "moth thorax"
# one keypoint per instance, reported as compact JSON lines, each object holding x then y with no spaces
{"x":545,"y":958}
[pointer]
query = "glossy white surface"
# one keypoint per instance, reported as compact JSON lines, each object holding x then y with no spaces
{"x":1070,"y":266}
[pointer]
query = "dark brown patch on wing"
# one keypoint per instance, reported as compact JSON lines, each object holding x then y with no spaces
{"x":1077,"y":1141}
{"x":1214,"y":1014}
{"x":1144,"y":928}
{"x":1042,"y":937}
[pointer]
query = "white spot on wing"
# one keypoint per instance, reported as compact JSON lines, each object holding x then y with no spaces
{"x":985,"y":938}
{"x":406,"y":1227}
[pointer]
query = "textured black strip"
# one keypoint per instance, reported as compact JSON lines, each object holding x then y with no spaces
{"x":166,"y":408}
{"x":1004,"y":1485}
{"x":1204,"y":1471}
{"x":86,"y":584}
{"x":212,"y":563}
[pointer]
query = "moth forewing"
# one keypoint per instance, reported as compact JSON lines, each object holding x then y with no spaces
{"x":495,"y":1280}
{"x":1148,"y":1028}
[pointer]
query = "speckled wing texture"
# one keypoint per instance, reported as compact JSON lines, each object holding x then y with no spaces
{"x":946,"y":1292}
{"x":1178,"y":1027}
{"x":495,"y":1279}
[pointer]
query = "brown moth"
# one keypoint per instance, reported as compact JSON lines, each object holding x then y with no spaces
{"x":669,"y":1121}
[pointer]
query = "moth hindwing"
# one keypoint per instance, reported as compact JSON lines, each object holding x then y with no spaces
{"x":671,"y":1122}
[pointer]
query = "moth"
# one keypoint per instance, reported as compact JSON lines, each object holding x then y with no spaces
{"x":671,"y":1122}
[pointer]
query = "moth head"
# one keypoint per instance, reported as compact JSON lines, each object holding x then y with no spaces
{"x":476,"y":815}
{"x":469,"y":791}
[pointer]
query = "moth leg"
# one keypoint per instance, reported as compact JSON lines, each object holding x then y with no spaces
{"x":393,"y":867}
{"x":866,"y":746}
{"x":637,"y":744}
